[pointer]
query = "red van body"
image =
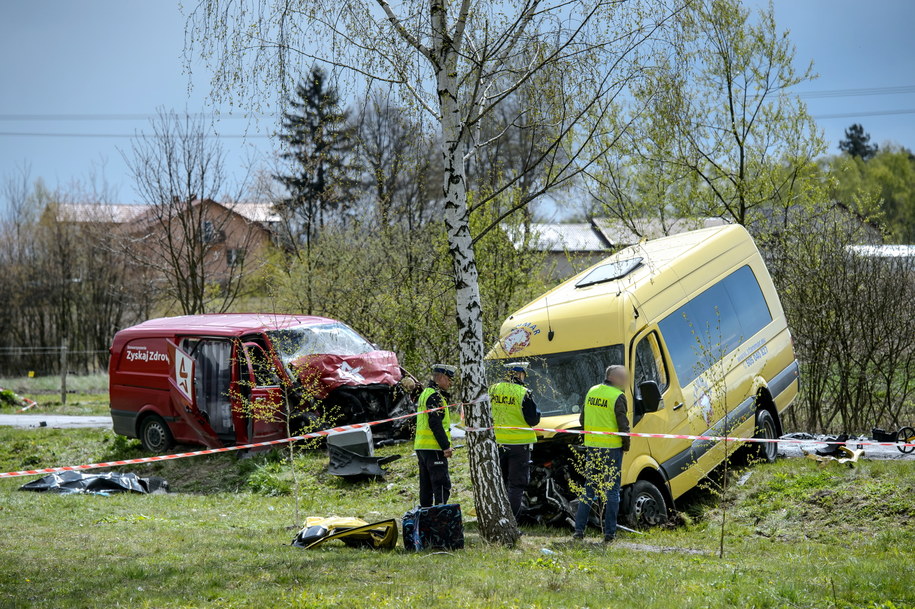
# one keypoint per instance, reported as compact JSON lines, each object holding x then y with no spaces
{"x":186,"y":379}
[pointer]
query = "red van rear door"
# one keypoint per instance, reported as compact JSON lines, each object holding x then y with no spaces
{"x":181,"y":388}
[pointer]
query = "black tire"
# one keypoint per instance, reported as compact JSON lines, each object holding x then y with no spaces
{"x":766,"y":427}
{"x":155,"y":435}
{"x":905,"y":435}
{"x":647,"y":507}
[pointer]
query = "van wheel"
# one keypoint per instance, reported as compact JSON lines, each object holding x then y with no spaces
{"x":647,"y":507}
{"x":155,"y":435}
{"x":766,"y":428}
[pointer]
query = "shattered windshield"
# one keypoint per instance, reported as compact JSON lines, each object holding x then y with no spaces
{"x":559,"y":381}
{"x":333,"y":338}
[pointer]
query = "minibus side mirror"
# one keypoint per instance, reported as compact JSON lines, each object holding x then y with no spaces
{"x":651,"y":396}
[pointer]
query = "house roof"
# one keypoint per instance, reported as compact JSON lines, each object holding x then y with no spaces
{"x":254,"y":212}
{"x":884,"y":251}
{"x":121,"y":214}
{"x":579,"y":237}
{"x":619,"y":234}
{"x":602,"y":234}
{"x":101,"y":213}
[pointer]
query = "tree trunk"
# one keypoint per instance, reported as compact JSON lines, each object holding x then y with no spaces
{"x":496,"y":522}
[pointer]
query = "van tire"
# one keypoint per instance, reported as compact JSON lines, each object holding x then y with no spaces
{"x":646,"y":506}
{"x":155,"y":435}
{"x":766,"y":427}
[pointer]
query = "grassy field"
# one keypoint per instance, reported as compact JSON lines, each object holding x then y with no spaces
{"x":87,"y":395}
{"x":797,"y":536}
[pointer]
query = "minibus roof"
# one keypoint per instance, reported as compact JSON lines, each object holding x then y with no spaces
{"x":597,"y":306}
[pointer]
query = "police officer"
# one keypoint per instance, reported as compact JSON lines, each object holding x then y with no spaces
{"x":433,"y":438}
{"x":604,"y":410}
{"x":513,"y":406}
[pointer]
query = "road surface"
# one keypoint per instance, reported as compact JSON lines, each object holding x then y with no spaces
{"x":56,"y":421}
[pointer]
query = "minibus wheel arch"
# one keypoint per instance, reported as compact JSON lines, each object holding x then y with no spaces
{"x":764,"y":401}
{"x":656,"y":479}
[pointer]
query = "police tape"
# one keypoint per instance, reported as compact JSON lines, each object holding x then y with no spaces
{"x":668,"y":436}
{"x":326,"y":432}
{"x":213,"y":451}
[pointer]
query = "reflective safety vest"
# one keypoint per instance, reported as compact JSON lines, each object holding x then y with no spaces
{"x":424,"y":438}
{"x":601,"y":416}
{"x":506,"y":399}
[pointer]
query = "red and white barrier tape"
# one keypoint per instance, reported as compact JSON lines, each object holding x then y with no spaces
{"x":209,"y":451}
{"x":29,"y":403}
{"x":668,"y":436}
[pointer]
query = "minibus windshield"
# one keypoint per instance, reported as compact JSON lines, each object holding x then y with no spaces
{"x":333,"y":338}
{"x":559,"y":381}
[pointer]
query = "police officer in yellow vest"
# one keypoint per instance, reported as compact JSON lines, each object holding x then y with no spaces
{"x":433,"y":438}
{"x":513,"y":406}
{"x":604,"y":410}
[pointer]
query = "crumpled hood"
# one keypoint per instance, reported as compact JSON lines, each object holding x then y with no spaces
{"x":322,"y":373}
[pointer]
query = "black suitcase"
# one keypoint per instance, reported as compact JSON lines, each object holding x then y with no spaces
{"x":438,"y":527}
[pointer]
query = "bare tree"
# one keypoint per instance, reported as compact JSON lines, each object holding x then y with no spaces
{"x":179,"y":173}
{"x":458,"y":63}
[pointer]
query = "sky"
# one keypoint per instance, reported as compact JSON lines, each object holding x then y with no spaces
{"x":74,"y":74}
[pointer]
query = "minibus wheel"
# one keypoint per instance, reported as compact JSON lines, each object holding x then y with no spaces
{"x":766,"y":428}
{"x":647,"y":507}
{"x":155,"y":434}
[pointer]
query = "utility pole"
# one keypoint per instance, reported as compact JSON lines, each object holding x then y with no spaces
{"x":63,"y":371}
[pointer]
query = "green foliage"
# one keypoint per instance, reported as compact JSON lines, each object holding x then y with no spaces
{"x":715,"y":131}
{"x":889,"y":176}
{"x":800,"y":536}
{"x":395,"y":286}
{"x":10,"y":399}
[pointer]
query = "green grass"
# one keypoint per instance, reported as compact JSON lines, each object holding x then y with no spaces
{"x":87,"y":395}
{"x":797,"y":536}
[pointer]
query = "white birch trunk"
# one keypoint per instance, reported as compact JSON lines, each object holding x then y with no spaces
{"x":496,"y":521}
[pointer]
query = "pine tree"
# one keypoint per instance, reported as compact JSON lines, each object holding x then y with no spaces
{"x":318,"y":139}
{"x":857,"y":143}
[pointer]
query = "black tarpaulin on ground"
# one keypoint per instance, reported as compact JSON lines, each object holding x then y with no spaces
{"x":103,"y":483}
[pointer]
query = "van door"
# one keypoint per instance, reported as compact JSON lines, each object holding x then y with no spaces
{"x":651,"y":363}
{"x":260,"y":395}
{"x":182,"y":389}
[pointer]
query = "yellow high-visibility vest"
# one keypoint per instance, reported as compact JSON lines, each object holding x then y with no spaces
{"x":601,"y":416}
{"x":506,"y":399}
{"x":424,"y":438}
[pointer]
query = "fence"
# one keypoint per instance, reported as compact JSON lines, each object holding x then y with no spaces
{"x":50,"y":361}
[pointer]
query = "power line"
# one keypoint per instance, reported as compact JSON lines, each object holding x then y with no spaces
{"x":127,"y":135}
{"x":123,"y":117}
{"x":869,"y":113}
{"x":857,"y":92}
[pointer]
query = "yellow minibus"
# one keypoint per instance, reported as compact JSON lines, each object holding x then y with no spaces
{"x":697,"y":321}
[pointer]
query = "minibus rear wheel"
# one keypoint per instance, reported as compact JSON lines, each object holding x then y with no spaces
{"x":647,"y":507}
{"x":155,"y":435}
{"x":766,"y":428}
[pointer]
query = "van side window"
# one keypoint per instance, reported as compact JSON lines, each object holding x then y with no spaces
{"x":649,"y":363}
{"x":714,"y":323}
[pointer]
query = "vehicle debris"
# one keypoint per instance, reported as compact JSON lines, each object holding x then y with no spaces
{"x":98,"y":484}
{"x":353,"y":532}
{"x":848,"y":456}
{"x":352,"y":455}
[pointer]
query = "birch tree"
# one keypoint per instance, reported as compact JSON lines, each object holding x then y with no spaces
{"x":456,"y":62}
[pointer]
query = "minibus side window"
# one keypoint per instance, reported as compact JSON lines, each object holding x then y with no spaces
{"x":649,"y":363}
{"x":714,"y":323}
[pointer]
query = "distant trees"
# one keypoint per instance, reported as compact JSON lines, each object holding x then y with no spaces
{"x":716,"y":131}
{"x":64,"y":279}
{"x":179,"y":173}
{"x":857,"y":143}
{"x":318,"y":145}
{"x":888,"y":177}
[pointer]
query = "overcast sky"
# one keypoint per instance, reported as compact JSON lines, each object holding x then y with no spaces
{"x":115,"y":58}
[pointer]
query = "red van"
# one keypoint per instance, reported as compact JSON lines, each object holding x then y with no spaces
{"x":192,"y":379}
